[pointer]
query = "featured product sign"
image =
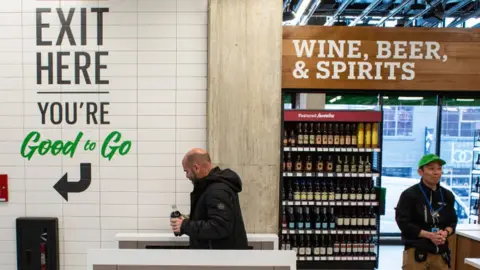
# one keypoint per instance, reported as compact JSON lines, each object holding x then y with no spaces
{"x":380,"y":58}
{"x":55,"y":67}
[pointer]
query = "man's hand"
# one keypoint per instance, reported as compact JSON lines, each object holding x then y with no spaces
{"x":176,"y":223}
{"x":443,"y":233}
{"x":437,"y":238}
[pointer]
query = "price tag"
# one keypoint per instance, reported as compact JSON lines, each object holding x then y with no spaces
{"x":331,"y":258}
{"x":346,"y":203}
{"x":361,"y":150}
{"x":308,"y":174}
{"x":332,"y":203}
{"x":294,"y":149}
{"x":323,"y":258}
{"x":339,"y":174}
{"x":367,"y":232}
{"x":355,"y":258}
{"x":316,"y":258}
{"x":375,"y":203}
{"x":330,"y":174}
{"x":354,"y":175}
{"x":300,"y":149}
{"x":311,"y":203}
{"x":290,"y":203}
{"x":377,"y":150}
{"x":309,"y":258}
{"x":369,"y":149}
{"x":353,"y":203}
{"x":318,"y":203}
{"x":309,"y":231}
{"x":284,"y":231}
{"x":333,"y":232}
{"x":299,"y":174}
{"x":339,"y":203}
{"x":331,"y":149}
{"x":286,"y":149}
{"x":302,"y":258}
{"x":301,"y":231}
{"x":372,"y":258}
{"x":347,"y":174}
{"x":360,"y":203}
{"x":324,"y":149}
{"x":361,"y":175}
{"x":349,"y":149}
{"x":354,"y":232}
{"x":348,"y":232}
{"x":297,"y":203}
{"x":355,"y":149}
{"x":376,"y":175}
{"x":349,"y":258}
{"x":324,"y":232}
{"x":373,"y":232}
{"x":304,"y":203}
{"x":368,"y":175}
{"x":320,"y":174}
{"x":290,"y":174}
{"x":361,"y":258}
{"x":338,"y":258}
{"x":344,"y":258}
{"x":318,"y":232}
{"x":343,"y":149}
{"x":312,"y":149}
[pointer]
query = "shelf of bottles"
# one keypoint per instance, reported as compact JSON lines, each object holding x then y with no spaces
{"x":475,"y":182}
{"x":329,"y":201}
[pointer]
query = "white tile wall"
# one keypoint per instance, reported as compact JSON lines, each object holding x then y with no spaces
{"x":157,"y":68}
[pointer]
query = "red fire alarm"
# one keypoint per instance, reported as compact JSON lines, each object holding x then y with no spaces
{"x":3,"y":188}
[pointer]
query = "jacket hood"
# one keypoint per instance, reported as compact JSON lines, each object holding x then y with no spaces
{"x":226,"y":176}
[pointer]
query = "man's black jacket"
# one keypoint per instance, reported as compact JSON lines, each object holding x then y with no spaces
{"x":413,"y":214}
{"x":216,"y":220}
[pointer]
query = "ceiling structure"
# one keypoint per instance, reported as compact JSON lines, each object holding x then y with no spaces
{"x":383,"y":13}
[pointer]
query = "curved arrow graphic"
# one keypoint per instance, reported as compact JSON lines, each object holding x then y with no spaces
{"x":63,"y":187}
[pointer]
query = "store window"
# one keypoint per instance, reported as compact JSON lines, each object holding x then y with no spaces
{"x":398,"y":121}
{"x":409,"y":128}
{"x":460,"y":120}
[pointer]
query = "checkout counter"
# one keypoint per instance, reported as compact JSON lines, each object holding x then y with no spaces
{"x":164,"y":251}
{"x":185,"y":259}
{"x":170,"y":241}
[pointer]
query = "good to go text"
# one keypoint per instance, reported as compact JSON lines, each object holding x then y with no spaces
{"x":34,"y":144}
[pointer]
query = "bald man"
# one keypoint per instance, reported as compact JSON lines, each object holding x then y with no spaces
{"x":215,"y":220}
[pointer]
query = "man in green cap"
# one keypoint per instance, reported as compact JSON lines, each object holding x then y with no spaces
{"x":426,"y":217}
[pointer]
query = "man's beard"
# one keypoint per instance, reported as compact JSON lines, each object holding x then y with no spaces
{"x":194,"y":178}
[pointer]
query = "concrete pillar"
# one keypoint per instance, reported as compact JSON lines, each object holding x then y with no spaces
{"x":244,"y":101}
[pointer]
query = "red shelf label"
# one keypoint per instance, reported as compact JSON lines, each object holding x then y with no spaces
{"x":3,"y":188}
{"x":332,"y":116}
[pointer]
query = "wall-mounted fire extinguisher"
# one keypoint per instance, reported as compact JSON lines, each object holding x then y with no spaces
{"x":43,"y":250}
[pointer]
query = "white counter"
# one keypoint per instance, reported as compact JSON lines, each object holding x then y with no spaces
{"x":169,"y":237}
{"x":468,"y":227}
{"x":229,"y":258}
{"x":474,"y":235}
{"x":474,"y":262}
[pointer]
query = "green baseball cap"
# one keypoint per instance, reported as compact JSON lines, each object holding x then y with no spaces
{"x":430,"y":158}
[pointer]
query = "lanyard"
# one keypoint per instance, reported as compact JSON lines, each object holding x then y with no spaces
{"x":432,"y":212}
